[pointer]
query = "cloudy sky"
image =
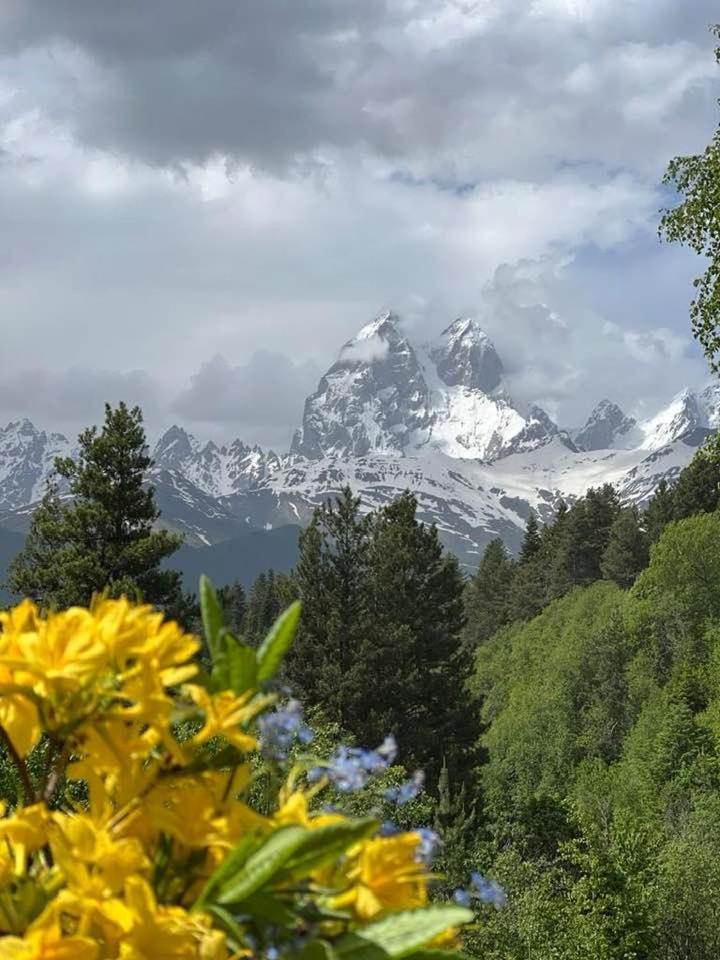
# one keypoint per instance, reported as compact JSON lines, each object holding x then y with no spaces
{"x":200,"y":201}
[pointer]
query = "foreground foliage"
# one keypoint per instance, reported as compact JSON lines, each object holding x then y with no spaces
{"x":695,"y":222}
{"x":140,"y":822}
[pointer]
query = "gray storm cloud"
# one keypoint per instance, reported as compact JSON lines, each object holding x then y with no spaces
{"x":183,"y":181}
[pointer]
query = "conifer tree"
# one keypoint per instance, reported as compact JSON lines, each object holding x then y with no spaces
{"x":234,"y":603}
{"x":628,"y":549}
{"x":270,"y":594}
{"x":487,"y":596}
{"x":581,"y":540}
{"x":659,"y":511}
{"x":532,"y":540}
{"x":103,"y":536}
{"x":332,"y":581}
{"x":413,"y":660}
{"x":530,"y":588}
{"x":698,"y":487}
{"x":454,"y":821}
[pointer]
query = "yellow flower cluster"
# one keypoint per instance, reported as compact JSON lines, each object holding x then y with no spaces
{"x":132,"y":834}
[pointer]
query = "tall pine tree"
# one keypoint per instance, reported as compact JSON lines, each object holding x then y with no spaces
{"x":413,"y":661}
{"x":271,"y":593}
{"x":234,"y":604}
{"x":487,"y":596}
{"x":580,"y":541}
{"x":532,"y":541}
{"x":332,"y":582}
{"x":698,"y":487}
{"x":103,"y":537}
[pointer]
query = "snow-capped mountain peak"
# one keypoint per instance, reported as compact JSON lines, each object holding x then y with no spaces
{"x":27,"y":458}
{"x":386,"y":395}
{"x":466,"y":356}
{"x":604,"y":426}
{"x":384,"y":325}
{"x":174,"y":448}
{"x":372,"y":400}
{"x":215,"y":470}
{"x":685,"y":414}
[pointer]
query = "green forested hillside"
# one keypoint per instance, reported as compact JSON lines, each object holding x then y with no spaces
{"x":601,"y":786}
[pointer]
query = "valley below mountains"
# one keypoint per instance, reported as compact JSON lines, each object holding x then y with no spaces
{"x":389,"y":415}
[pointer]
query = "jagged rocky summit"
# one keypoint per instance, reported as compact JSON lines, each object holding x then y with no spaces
{"x":386,"y":396}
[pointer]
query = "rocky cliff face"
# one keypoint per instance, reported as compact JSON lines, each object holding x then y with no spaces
{"x":27,"y":457}
{"x":604,"y":426}
{"x":373,"y":400}
{"x":217,"y":470}
{"x":465,"y":356}
{"x":386,"y":395}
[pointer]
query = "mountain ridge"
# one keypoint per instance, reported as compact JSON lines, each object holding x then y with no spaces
{"x":392,"y":414}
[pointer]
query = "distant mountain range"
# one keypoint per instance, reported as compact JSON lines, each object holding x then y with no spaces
{"x":390,"y":414}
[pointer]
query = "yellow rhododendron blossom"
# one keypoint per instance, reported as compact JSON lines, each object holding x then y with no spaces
{"x":91,"y":859}
{"x":18,"y":715}
{"x":386,"y":876}
{"x":48,"y":944}
{"x":25,"y":832}
{"x":225,"y":714}
{"x":56,"y":655}
{"x":130,"y":839}
{"x":167,"y":931}
{"x":295,"y":808}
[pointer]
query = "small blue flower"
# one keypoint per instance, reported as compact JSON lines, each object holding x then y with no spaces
{"x":388,"y":749}
{"x":279,"y":730}
{"x":429,"y":843}
{"x":388,"y":829}
{"x":350,"y":768}
{"x":488,"y":891}
{"x":463,"y":897}
{"x":406,"y":791}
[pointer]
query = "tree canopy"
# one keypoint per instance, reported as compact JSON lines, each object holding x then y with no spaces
{"x":100,"y":534}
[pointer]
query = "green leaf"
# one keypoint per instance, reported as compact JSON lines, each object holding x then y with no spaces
{"x":212,"y":617}
{"x":325,"y":844}
{"x":262,"y":865}
{"x":231,"y":865}
{"x":234,"y":666}
{"x":317,"y":950}
{"x":276,"y":643}
{"x":227,"y":922}
{"x":402,"y":934}
{"x":241,"y":664}
{"x":267,"y":907}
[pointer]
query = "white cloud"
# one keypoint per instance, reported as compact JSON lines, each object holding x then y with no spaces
{"x":559,"y":353}
{"x":181,"y":182}
{"x":259,"y":399}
